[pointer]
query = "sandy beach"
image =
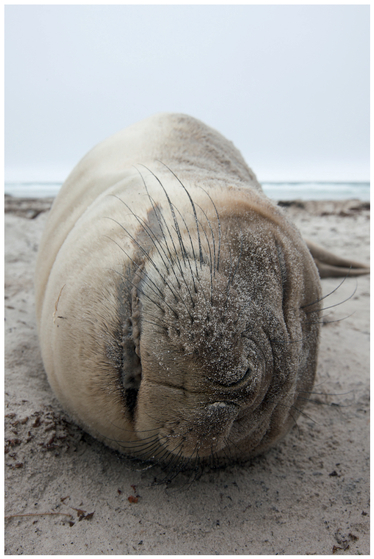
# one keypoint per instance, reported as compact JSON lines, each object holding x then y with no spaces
{"x":66,"y":493}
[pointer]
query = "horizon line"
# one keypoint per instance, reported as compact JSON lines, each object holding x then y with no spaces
{"x":282,"y":181}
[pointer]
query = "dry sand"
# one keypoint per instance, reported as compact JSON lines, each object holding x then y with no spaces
{"x":308,"y":495}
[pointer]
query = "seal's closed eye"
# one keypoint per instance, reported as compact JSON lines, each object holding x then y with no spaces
{"x":244,"y":378}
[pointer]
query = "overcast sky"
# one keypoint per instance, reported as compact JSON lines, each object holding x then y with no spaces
{"x":289,"y":85}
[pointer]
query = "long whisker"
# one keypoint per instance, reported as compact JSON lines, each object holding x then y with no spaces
{"x":336,"y":304}
{"x":328,"y":295}
{"x":148,"y":230}
{"x":139,"y":289}
{"x":181,"y":244}
{"x":143,"y":292}
{"x":138,"y":267}
{"x":138,"y":245}
{"x":193,"y":208}
{"x":159,"y":217}
{"x":219,"y":226}
{"x":210,"y":263}
{"x":213,"y":238}
{"x":330,"y":321}
{"x":193,"y":251}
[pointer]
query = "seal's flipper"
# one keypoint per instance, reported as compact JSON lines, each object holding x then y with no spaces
{"x":330,"y":265}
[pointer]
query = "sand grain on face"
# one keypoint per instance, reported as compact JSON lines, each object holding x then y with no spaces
{"x":244,"y":510}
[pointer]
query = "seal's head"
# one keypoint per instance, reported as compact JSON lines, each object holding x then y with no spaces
{"x":226,"y":351}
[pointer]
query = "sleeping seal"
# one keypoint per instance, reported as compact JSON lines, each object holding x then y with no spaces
{"x":177,"y":308}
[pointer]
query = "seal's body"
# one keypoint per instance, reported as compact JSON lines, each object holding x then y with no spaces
{"x":177,"y":308}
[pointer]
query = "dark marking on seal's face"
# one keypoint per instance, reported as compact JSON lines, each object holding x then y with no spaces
{"x":127,"y":355}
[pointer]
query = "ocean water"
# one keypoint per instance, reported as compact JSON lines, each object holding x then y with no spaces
{"x":275,"y":190}
{"x":317,"y":190}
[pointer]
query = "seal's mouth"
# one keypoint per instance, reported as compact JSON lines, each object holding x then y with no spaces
{"x":202,"y":435}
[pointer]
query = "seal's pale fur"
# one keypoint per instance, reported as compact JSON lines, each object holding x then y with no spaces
{"x":177,"y":308}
